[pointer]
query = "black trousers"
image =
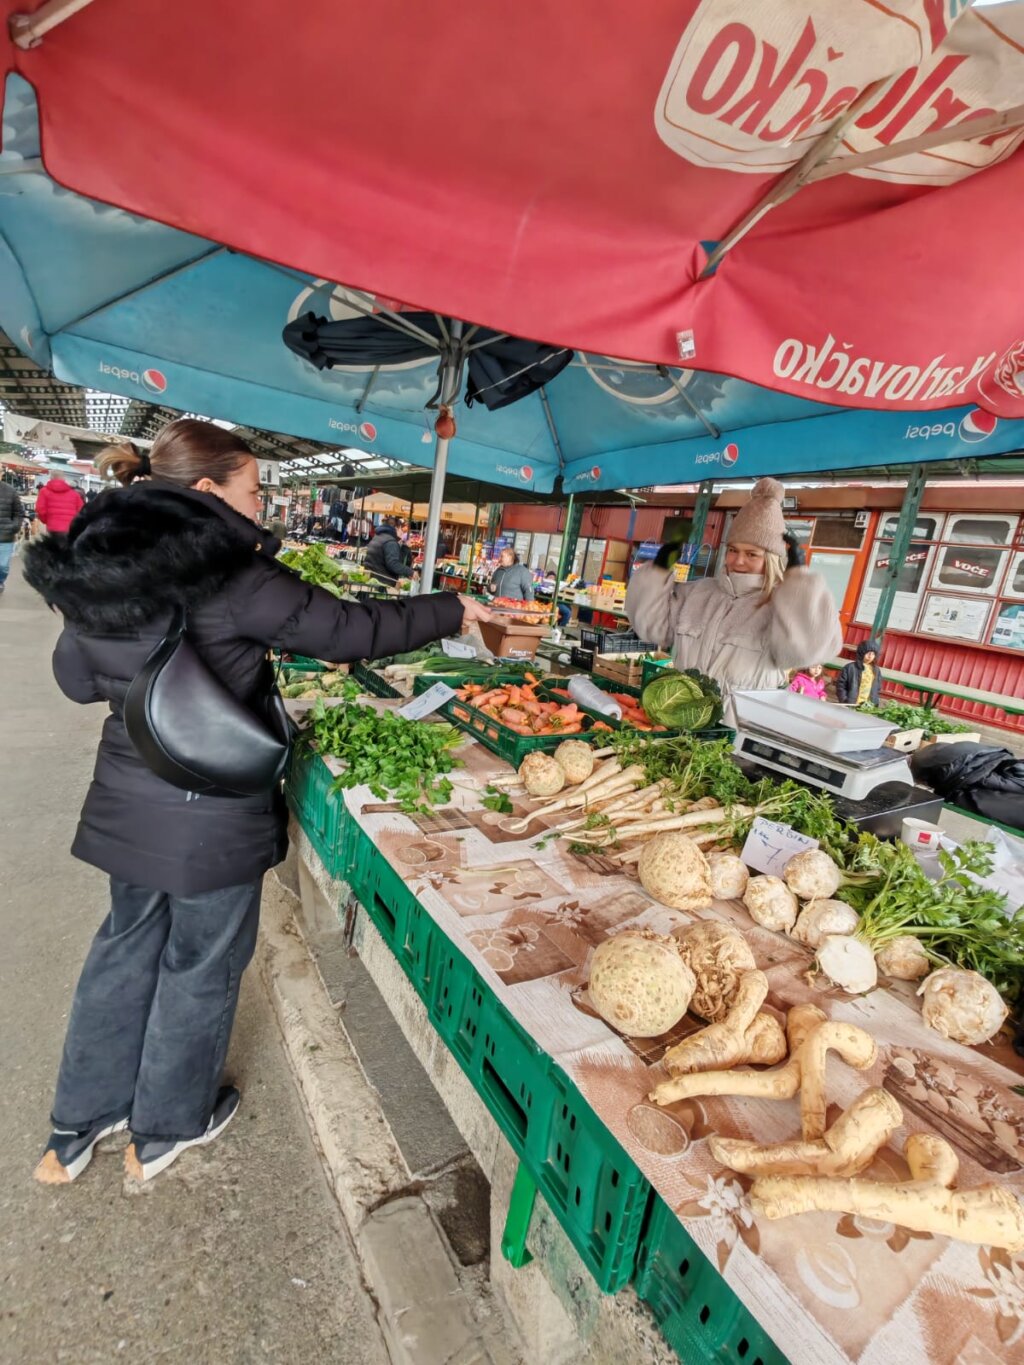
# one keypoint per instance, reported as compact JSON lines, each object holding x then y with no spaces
{"x":153,"y":1010}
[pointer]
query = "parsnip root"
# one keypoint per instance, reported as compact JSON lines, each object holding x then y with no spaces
{"x":780,"y":1084}
{"x":811,"y":1038}
{"x":847,"y":1148}
{"x":987,"y":1215}
{"x":744,"y":1036}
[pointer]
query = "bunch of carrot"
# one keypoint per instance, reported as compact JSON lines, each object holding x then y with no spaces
{"x":633,"y":714}
{"x":517,"y":706}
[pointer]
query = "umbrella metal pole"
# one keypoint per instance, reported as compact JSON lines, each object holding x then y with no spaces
{"x":472,"y":544}
{"x":561,"y":562}
{"x":449,"y":385}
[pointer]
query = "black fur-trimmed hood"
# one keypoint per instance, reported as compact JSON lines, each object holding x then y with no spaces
{"x":134,"y":554}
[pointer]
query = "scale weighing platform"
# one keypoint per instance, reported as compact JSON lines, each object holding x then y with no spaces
{"x":836,"y":750}
{"x":852,"y":775}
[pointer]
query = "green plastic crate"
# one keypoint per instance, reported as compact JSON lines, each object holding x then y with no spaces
{"x":651,"y":667}
{"x":423,"y":681}
{"x":699,"y":1315}
{"x":299,"y":663}
{"x":322,"y":813}
{"x":504,"y":742}
{"x":371,"y":681}
{"x":593,"y":1188}
{"x":402,"y":922}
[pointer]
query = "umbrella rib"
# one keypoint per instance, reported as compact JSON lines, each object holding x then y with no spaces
{"x":361,"y":401}
{"x":141,"y":288}
{"x":551,"y":426}
{"x":709,"y":426}
{"x":798,"y":175}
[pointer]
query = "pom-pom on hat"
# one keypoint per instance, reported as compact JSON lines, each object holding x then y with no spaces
{"x":761,"y":522}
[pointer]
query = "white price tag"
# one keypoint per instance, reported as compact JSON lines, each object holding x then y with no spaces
{"x":458,"y":649}
{"x":427,"y":702}
{"x":770,"y":846}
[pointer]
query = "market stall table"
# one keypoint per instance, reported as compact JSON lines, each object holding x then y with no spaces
{"x":495,"y":932}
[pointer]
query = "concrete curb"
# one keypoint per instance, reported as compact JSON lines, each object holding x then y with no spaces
{"x":423,"y":1310}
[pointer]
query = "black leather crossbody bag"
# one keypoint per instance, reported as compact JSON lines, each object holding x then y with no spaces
{"x":194,"y":733}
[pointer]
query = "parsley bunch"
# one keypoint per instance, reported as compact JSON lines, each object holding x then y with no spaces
{"x":393,"y":756}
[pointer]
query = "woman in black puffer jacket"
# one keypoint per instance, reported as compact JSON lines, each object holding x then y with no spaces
{"x":153,"y":1010}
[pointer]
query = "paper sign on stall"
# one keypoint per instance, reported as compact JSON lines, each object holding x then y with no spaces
{"x":458,"y":649}
{"x":770,"y":846}
{"x":427,"y":702}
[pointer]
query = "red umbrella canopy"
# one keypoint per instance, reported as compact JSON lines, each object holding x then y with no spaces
{"x":564,"y":169}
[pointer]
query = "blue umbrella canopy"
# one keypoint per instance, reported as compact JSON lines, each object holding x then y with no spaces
{"x":111,"y":301}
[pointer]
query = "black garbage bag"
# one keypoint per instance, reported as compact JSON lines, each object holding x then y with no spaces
{"x":979,"y":778}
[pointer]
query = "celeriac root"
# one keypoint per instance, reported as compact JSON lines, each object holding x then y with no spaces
{"x":987,"y":1215}
{"x":847,"y":1148}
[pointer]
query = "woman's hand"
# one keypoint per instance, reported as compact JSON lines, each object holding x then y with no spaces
{"x":472,"y":610}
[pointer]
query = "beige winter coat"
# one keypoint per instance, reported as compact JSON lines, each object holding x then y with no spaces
{"x":724,"y":627}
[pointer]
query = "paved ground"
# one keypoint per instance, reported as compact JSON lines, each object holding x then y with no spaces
{"x":236,"y":1254}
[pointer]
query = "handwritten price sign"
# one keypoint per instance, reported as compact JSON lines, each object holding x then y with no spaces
{"x":770,"y":846}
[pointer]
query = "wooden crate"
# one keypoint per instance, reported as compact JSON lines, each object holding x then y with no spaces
{"x":621,"y":668}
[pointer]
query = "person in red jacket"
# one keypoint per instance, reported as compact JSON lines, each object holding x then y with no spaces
{"x":57,"y":505}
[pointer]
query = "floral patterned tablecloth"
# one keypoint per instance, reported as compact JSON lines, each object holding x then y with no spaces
{"x":827,"y":1288}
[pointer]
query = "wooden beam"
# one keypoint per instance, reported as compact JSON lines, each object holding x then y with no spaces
{"x":28,"y":30}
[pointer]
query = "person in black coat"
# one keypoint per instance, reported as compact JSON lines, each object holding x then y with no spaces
{"x":152,"y":1014}
{"x":387,"y":558}
{"x":12,"y":514}
{"x":860,"y":681}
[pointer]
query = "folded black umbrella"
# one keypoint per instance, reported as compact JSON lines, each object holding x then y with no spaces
{"x":501,"y":369}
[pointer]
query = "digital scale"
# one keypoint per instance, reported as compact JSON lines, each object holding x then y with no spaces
{"x":817,"y":742}
{"x":851,"y":775}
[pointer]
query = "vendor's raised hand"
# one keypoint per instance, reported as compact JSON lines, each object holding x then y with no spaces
{"x":472,"y":610}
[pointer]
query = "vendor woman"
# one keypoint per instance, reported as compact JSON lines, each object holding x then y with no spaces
{"x":746,"y":627}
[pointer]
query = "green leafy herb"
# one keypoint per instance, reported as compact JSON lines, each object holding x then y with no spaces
{"x":956,"y":918}
{"x":924,"y":718}
{"x":497,"y":800}
{"x":393,"y":756}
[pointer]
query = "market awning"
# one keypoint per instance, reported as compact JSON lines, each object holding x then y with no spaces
{"x":572,"y":173}
{"x":133,"y":307}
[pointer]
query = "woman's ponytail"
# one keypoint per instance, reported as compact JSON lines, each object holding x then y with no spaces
{"x":123,"y":463}
{"x":185,"y":451}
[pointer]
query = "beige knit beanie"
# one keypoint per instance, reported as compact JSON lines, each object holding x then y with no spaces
{"x":761,"y":522}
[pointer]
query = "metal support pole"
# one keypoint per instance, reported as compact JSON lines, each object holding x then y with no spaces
{"x":449,"y":390}
{"x":28,"y":30}
{"x":701,"y":508}
{"x":570,"y":538}
{"x":900,"y":545}
{"x":472,"y":544}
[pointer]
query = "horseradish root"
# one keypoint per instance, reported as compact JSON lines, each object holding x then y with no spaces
{"x":811,"y":1038}
{"x":847,"y":1148}
{"x":987,"y":1215}
{"x":744,"y":1036}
